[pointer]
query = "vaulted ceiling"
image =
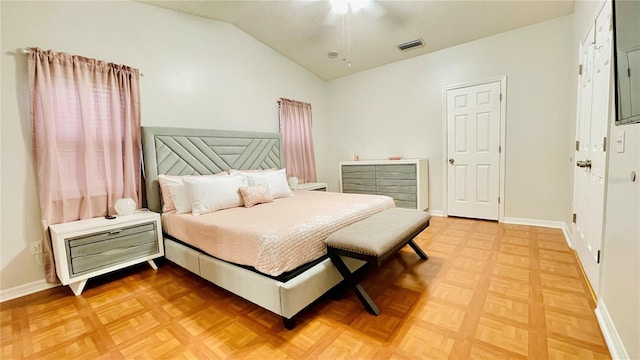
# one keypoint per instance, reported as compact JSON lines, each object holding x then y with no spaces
{"x":305,"y":31}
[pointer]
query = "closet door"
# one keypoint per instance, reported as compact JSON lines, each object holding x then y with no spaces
{"x":591,"y":131}
{"x":473,"y":150}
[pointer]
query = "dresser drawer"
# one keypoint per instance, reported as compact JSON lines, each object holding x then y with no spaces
{"x":402,"y":171}
{"x":399,"y":186}
{"x":355,"y":189}
{"x":360,"y":182}
{"x":362,"y":186}
{"x":358,"y":172}
{"x":406,"y":204}
{"x":399,"y":196}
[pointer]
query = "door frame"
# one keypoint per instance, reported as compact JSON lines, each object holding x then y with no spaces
{"x":502,"y":155}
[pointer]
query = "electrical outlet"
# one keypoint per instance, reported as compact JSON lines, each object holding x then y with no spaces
{"x":36,"y":247}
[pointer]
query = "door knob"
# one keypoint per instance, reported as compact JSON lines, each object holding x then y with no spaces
{"x":451,"y":161}
{"x":584,"y":164}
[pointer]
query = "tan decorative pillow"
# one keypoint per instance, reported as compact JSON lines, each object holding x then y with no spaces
{"x":257,"y":194}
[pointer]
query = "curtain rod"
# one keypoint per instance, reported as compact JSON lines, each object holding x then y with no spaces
{"x":25,"y":51}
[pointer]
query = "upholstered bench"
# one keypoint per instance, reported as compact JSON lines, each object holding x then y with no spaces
{"x":374,"y":239}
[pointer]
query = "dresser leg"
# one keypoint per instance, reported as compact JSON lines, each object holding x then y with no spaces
{"x":77,"y":287}
{"x":153,"y":264}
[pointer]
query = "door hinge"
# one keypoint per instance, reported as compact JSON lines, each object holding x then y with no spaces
{"x":499,"y":149}
{"x":498,"y":199}
{"x":577,"y":145}
{"x":629,"y":72}
{"x":574,"y":217}
{"x":501,"y":94}
{"x":604,"y":143}
{"x":598,"y":257}
{"x":580,"y":69}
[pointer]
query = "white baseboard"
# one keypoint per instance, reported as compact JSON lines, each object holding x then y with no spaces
{"x":611,"y":336}
{"x":567,"y":235}
{"x":25,"y":289}
{"x":535,"y":222}
{"x":436,"y":212}
{"x":542,"y":223}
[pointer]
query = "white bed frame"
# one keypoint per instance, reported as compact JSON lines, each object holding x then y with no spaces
{"x":181,"y":151}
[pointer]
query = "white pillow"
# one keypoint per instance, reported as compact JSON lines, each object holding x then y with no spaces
{"x":176,"y":181}
{"x":214,"y":193}
{"x":276,"y":180}
{"x":179,"y":195}
{"x":248,"y":171}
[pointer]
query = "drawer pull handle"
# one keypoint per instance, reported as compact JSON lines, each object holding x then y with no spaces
{"x":113,"y":232}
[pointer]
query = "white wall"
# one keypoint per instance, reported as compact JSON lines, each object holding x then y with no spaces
{"x":397,"y":109}
{"x":197,"y":73}
{"x":620,"y":289}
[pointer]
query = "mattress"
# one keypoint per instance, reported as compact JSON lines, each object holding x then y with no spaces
{"x":274,"y":237}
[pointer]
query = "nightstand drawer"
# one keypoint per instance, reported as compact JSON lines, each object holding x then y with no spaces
{"x":98,"y":250}
{"x":110,"y":257}
{"x":124,"y":232}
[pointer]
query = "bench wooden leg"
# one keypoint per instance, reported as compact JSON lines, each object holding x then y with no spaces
{"x":418,"y":250}
{"x":366,"y":300}
{"x":349,"y":278}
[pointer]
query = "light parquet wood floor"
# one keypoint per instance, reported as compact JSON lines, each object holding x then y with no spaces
{"x":489,"y":290}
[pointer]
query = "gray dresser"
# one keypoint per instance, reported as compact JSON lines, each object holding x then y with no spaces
{"x":406,"y":180}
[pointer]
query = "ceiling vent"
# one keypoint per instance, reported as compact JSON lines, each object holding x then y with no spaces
{"x":411,"y":44}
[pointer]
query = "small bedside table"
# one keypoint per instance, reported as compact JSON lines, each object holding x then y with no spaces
{"x":87,"y":248}
{"x":313,"y":186}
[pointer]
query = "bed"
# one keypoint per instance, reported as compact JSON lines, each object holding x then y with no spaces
{"x":285,"y":288}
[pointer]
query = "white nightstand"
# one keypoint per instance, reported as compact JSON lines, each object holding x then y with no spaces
{"x":311,"y":186}
{"x":87,"y":248}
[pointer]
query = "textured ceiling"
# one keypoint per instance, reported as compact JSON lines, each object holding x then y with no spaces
{"x":306,"y":30}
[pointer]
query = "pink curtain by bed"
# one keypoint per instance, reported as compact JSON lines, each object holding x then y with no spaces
{"x":86,"y":138}
{"x":297,"y":138}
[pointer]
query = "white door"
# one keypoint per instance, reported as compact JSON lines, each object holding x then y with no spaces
{"x":581,"y":231}
{"x":591,"y":131}
{"x":473,"y":145}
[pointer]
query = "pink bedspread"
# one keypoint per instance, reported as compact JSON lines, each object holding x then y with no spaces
{"x":274,"y":237}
